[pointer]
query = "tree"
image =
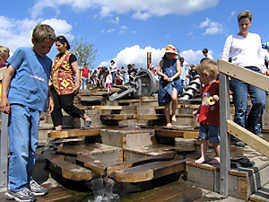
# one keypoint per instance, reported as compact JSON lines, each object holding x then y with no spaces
{"x":85,"y":52}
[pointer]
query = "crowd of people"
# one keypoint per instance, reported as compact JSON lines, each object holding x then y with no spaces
{"x":33,"y":83}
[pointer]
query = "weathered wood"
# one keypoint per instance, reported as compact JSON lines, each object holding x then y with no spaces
{"x":106,"y":154}
{"x":74,"y":133}
{"x":256,"y":79}
{"x":149,"y":171}
{"x":262,"y":195}
{"x":95,"y":165}
{"x":176,"y":133}
{"x":69,"y":170}
{"x":117,"y":117}
{"x":249,"y":138}
{"x":129,"y":164}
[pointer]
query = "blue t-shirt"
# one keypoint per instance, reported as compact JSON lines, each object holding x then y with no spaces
{"x":29,"y":85}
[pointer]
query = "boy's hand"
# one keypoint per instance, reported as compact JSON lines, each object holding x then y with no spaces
{"x":51,"y":105}
{"x":5,"y":106}
{"x":195,"y":112}
{"x":216,"y":98}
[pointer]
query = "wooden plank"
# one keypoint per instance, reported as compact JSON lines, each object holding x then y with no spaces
{"x":149,"y":171}
{"x":117,"y":117}
{"x":177,"y":133}
{"x":95,"y":165}
{"x":74,"y":133}
{"x":69,"y":170}
{"x":129,"y":164}
{"x":259,"y":80}
{"x":249,"y":138}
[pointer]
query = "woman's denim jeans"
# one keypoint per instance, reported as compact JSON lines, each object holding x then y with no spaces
{"x":23,"y":140}
{"x":240,"y":98}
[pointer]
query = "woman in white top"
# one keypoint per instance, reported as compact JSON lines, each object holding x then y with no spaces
{"x":245,"y":49}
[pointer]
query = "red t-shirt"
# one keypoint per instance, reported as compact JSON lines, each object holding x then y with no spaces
{"x":209,"y":114}
{"x":85,"y":72}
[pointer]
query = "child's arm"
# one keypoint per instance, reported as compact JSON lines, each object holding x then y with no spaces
{"x":178,"y":72}
{"x":160,"y":72}
{"x":5,"y":107}
{"x":50,"y":103}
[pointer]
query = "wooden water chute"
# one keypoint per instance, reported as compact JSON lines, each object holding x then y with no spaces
{"x":227,"y":126}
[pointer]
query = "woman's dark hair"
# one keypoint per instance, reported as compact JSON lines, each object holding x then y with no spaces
{"x":63,"y":40}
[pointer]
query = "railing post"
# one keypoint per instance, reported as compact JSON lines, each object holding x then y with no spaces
{"x":224,"y":137}
{"x":4,"y":152}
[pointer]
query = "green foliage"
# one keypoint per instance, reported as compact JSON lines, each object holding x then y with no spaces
{"x":84,"y":51}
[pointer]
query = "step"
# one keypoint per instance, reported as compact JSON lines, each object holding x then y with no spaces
{"x":125,"y":137}
{"x":242,"y":181}
{"x":262,"y":194}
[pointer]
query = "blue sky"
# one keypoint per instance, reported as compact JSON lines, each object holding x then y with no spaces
{"x":125,"y":30}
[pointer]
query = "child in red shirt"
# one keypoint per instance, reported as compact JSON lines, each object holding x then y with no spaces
{"x":209,"y":111}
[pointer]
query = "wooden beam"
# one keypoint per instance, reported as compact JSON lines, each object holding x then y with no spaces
{"x":117,"y":117}
{"x":74,"y":133}
{"x":149,"y":171}
{"x":95,"y":165}
{"x":133,"y":163}
{"x":249,"y":138}
{"x":177,"y":133}
{"x":69,"y":170}
{"x":259,"y":80}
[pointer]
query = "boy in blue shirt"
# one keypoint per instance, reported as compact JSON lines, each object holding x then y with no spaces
{"x":24,"y":97}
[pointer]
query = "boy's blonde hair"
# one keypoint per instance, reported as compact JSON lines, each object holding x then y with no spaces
{"x":43,"y":32}
{"x":4,"y":53}
{"x":244,"y":14}
{"x":208,"y":66}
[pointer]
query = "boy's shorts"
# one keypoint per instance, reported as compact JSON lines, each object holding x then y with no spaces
{"x":210,"y":133}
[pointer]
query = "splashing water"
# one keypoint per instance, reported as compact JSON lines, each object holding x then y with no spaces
{"x":102,"y":189}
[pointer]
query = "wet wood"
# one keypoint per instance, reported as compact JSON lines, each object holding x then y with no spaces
{"x":117,"y":117}
{"x":249,"y":138}
{"x":95,"y":165}
{"x":262,"y":195}
{"x":177,"y":133}
{"x":149,"y":171}
{"x":73,"y":133}
{"x":69,"y":170}
{"x":129,"y":164}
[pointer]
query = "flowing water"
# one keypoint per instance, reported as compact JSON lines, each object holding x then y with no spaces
{"x":102,"y":189}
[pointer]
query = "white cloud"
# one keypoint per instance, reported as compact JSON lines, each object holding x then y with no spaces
{"x":211,"y":27}
{"x":136,"y":55}
{"x":17,"y":33}
{"x":193,"y":56}
{"x":139,"y":9}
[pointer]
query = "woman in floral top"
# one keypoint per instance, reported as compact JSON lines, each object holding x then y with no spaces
{"x":64,"y":88}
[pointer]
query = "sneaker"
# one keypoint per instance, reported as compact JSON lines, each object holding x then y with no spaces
{"x":87,"y":124}
{"x":24,"y":195}
{"x":37,"y":190}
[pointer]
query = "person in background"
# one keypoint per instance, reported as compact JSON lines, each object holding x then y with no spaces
{"x":4,"y":55}
{"x":209,"y":111}
{"x":24,"y":95}
{"x":124,"y":75}
{"x":63,"y":87}
{"x":85,"y":75}
{"x":184,"y":72}
{"x":108,"y":81}
{"x":206,"y":55}
{"x":113,"y":68}
{"x":245,"y":49}
{"x":131,"y":72}
{"x":169,"y":84}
